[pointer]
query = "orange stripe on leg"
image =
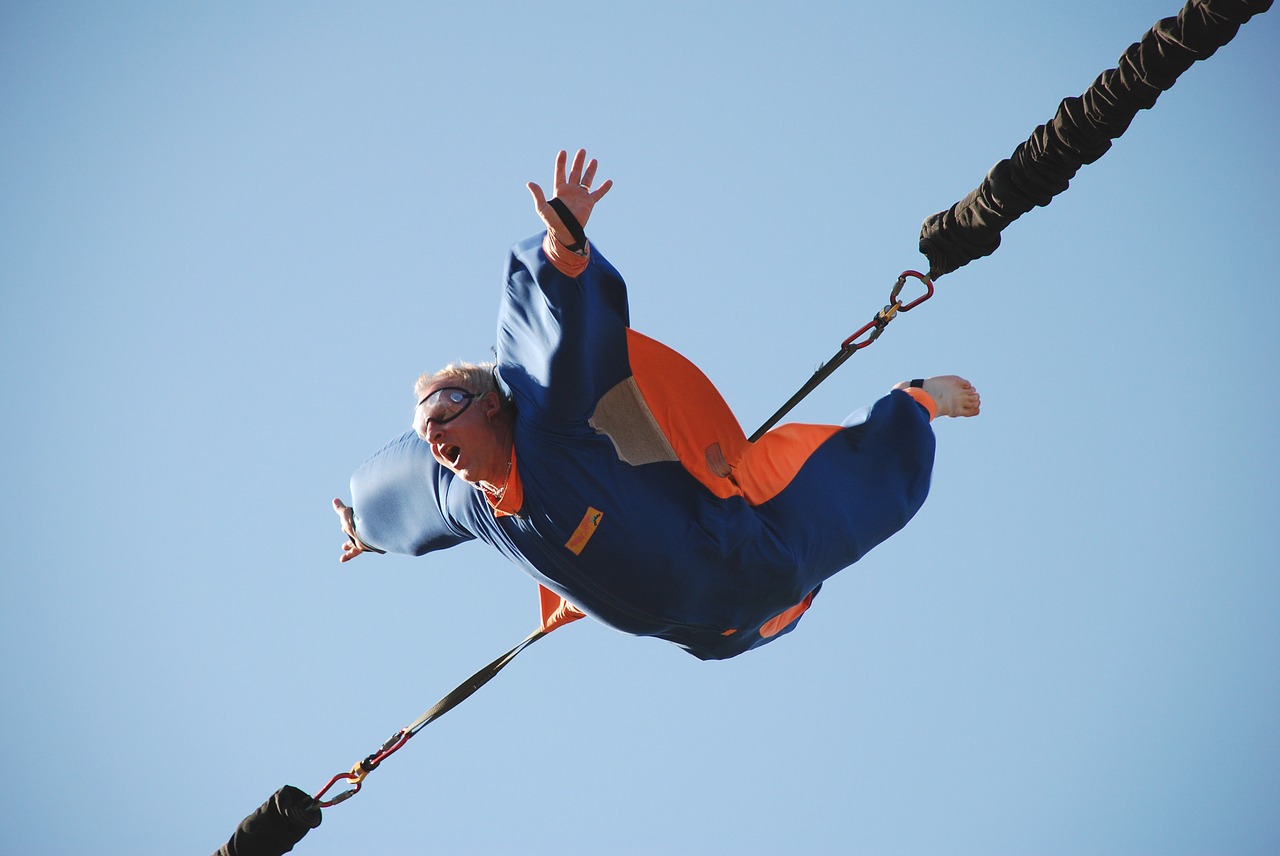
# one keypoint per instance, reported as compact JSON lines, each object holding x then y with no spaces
{"x":924,"y":399}
{"x":768,"y":465}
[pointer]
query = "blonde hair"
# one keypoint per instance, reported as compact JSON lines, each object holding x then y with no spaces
{"x":474,"y":377}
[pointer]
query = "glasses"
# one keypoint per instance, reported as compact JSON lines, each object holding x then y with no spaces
{"x":446,"y":404}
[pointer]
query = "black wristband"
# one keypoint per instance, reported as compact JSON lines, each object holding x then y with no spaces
{"x":571,"y":223}
{"x":918,"y":383}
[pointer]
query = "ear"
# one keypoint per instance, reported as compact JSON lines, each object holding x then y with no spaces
{"x":492,"y":404}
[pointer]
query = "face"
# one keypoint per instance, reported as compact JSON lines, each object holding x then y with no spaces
{"x":465,"y":431}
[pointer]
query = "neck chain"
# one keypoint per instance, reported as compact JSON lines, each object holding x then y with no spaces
{"x":497,"y":493}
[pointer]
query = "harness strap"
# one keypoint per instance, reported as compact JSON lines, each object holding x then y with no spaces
{"x":455,"y":697}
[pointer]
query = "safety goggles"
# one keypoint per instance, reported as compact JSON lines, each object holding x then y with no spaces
{"x":446,"y":404}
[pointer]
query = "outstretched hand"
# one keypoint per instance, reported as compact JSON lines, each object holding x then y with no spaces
{"x":574,"y":190}
{"x":352,"y":547}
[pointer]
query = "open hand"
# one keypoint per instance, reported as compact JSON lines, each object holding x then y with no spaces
{"x":574,"y":190}
{"x":352,"y":546}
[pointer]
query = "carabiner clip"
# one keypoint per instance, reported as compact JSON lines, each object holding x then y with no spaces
{"x":882,"y":319}
{"x":345,"y":795}
{"x":848,"y":344}
{"x":897,"y":289}
{"x":363,"y":768}
{"x":884,"y":316}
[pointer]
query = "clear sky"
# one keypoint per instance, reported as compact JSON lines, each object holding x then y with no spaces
{"x":232,"y":234}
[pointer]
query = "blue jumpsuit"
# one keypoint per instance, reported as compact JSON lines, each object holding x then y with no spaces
{"x":640,"y":500}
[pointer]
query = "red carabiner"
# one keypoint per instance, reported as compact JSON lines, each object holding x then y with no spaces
{"x":345,"y":795}
{"x":878,"y":322}
{"x":363,"y":768}
{"x":884,"y":316}
{"x":928,"y":284}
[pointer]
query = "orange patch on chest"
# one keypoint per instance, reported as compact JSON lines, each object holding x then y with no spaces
{"x":587,"y":528}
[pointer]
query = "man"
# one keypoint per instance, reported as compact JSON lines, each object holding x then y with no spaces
{"x":609,"y":468}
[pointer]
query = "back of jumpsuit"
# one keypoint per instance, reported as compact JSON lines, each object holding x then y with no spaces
{"x":634,"y":493}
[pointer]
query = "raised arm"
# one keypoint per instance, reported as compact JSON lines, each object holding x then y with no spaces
{"x":563,"y":318}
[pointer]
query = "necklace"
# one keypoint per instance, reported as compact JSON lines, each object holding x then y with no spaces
{"x":497,"y":493}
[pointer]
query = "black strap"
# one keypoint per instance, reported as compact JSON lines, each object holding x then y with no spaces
{"x":824,"y":371}
{"x":393,"y":744}
{"x":571,"y":223}
{"x":464,"y":690}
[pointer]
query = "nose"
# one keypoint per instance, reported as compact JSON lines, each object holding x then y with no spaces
{"x":428,"y":429}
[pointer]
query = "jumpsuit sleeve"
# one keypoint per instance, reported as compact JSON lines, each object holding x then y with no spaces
{"x":405,"y":502}
{"x":561,"y":340}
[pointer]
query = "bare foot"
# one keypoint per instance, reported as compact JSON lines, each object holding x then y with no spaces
{"x":954,"y":395}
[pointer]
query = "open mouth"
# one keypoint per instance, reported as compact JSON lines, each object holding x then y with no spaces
{"x":451,"y":454}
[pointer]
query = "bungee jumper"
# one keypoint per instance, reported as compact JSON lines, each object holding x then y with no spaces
{"x":586,"y":472}
{"x":610,"y":470}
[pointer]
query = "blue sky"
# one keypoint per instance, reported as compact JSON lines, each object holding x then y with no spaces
{"x":232,"y":234}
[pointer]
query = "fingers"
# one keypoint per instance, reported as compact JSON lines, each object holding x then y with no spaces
{"x":588,"y":176}
{"x":575,"y":171}
{"x":350,"y":549}
{"x":539,"y":198}
{"x":598,"y":193}
{"x":345,"y":514}
{"x":558,"y":179}
{"x":582,"y":172}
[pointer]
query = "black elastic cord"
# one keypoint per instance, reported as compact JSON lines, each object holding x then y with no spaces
{"x":571,"y":223}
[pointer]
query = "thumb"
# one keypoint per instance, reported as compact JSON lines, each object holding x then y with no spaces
{"x":539,"y":199}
